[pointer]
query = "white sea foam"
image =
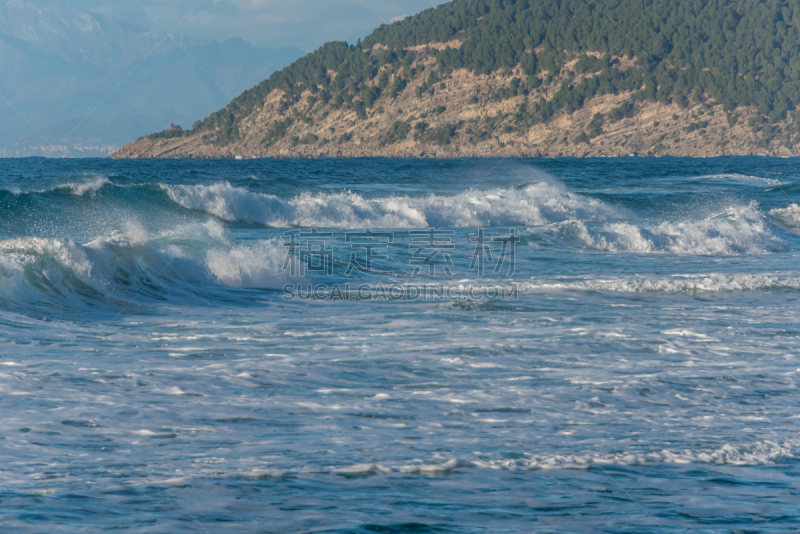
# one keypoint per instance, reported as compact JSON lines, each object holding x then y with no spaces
{"x":712,"y":282}
{"x":89,"y":186}
{"x":742,"y":178}
{"x":534,"y":204}
{"x":745,"y":454}
{"x":735,"y":230}
{"x":256,"y":265}
{"x":788,"y":217}
{"x":736,"y":455}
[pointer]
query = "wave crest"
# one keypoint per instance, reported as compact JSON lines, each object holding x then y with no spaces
{"x":89,"y":186}
{"x":736,"y":230}
{"x":534,"y":204}
{"x":788,"y":217}
{"x":741,"y":178}
{"x":120,"y":268}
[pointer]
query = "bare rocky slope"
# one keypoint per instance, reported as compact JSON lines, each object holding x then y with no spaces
{"x":702,"y":129}
{"x":462,"y":116}
{"x":462,"y":109}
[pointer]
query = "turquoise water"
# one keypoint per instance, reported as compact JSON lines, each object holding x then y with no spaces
{"x":628,"y":364}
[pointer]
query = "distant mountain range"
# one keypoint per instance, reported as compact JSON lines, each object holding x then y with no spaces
{"x":78,"y":83}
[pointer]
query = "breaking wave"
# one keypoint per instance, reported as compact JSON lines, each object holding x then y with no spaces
{"x":735,"y":230}
{"x":534,"y":204}
{"x":122,"y":267}
{"x":789,"y":217}
{"x":128,"y":260}
{"x":81,"y":188}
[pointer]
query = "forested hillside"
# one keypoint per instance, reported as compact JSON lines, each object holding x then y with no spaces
{"x":547,"y":58}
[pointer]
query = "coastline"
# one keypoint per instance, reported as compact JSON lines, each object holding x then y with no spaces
{"x":450,"y":154}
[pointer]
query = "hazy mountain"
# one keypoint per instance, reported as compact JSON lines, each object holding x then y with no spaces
{"x":72,"y":79}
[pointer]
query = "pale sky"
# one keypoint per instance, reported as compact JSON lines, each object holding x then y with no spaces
{"x":306,"y":24}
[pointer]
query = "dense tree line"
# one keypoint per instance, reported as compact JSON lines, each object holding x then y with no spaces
{"x":739,"y":53}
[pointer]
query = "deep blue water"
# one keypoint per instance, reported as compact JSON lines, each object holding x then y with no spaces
{"x":627,"y":363}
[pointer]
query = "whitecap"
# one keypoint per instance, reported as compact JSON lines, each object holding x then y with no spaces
{"x":533,"y":204}
{"x":690,"y":283}
{"x":732,"y":231}
{"x":741,"y":178}
{"x":789,"y":217}
{"x":89,"y":186}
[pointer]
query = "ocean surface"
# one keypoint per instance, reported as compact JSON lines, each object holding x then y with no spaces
{"x":600,"y":345}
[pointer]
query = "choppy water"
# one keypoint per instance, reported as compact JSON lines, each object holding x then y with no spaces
{"x":156,"y":375}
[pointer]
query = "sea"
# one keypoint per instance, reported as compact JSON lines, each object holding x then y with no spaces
{"x":381,"y":345}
